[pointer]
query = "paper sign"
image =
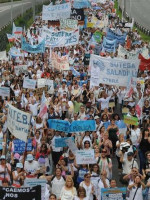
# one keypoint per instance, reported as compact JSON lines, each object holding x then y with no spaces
{"x":29,"y":83}
{"x":113,"y":193}
{"x":70,"y":143}
{"x":20,"y":69}
{"x":19,"y":146}
{"x":41,"y":82}
{"x":130,"y":120}
{"x":85,"y":157}
{"x":4,"y":91}
{"x":61,"y":142}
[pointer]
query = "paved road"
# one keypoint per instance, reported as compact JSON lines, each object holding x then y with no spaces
{"x":5,"y":10}
{"x":139,"y":9}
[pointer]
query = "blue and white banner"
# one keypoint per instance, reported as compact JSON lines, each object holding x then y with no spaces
{"x":113,"y":193}
{"x":111,"y":35}
{"x":112,"y":71}
{"x":39,"y":48}
{"x":14,"y":52}
{"x":81,"y":4}
{"x":18,"y":122}
{"x":60,"y":38}
{"x":85,"y":157}
{"x":109,"y":45}
{"x":56,"y":12}
{"x":75,"y":126}
{"x":19,"y":146}
{"x":61,"y":142}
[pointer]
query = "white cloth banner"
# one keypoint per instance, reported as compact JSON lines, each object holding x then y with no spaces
{"x":29,"y":83}
{"x":41,"y":82}
{"x":4,"y":91}
{"x":60,"y":38}
{"x":134,"y":53}
{"x":85,"y":157}
{"x":3,"y":55}
{"x":112,"y":71}
{"x":56,"y":12}
{"x":18,"y":122}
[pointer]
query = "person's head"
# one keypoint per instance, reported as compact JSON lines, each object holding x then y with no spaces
{"x":5,"y":182}
{"x":69,"y":182}
{"x":43,"y":148}
{"x":87,"y":177}
{"x":82,"y":109}
{"x":104,"y":173}
{"x":86,"y":144}
{"x":130,"y":156}
{"x":30,"y":158}
{"x":81,"y":192}
{"x":37,"y":134}
{"x":134,"y":171}
{"x":132,"y":111}
{"x":52,"y":197}
{"x":102,"y":129}
{"x":3,"y":160}
{"x":145,"y":133}
{"x":95,"y":168}
{"x":96,"y":149}
{"x":19,"y":167}
{"x":113,"y":183}
{"x":148,"y":155}
{"x":112,"y":122}
{"x":103,"y":153}
{"x":106,"y":135}
{"x":121,"y":137}
{"x":58,"y":171}
{"x":137,"y":180}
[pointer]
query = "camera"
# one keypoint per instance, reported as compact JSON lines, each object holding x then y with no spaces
{"x":124,"y":147}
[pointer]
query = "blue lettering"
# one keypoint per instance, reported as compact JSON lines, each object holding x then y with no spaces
{"x":18,"y":117}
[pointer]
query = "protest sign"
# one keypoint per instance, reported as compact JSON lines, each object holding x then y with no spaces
{"x":130,"y":120}
{"x":75,"y":126}
{"x":33,"y":182}
{"x":77,"y":14}
{"x":85,"y":157}
{"x":112,"y":71}
{"x":70,"y":143}
{"x":18,"y":122}
{"x":60,"y":38}
{"x":109,"y":45}
{"x":113,"y":193}
{"x":56,"y":12}
{"x":68,"y":24}
{"x":19,"y":146}
{"x":19,"y":69}
{"x":41,"y":82}
{"x":97,"y":36}
{"x":39,"y":48}
{"x":3,"y":55}
{"x":29,"y":83}
{"x":4,"y":91}
{"x":60,"y":63}
{"x":23,"y":193}
{"x":61,"y":142}
{"x":114,"y":36}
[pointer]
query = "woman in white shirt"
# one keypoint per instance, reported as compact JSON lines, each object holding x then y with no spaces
{"x":68,"y":192}
{"x":136,"y":189}
{"x":81,"y":194}
{"x":135,"y":135}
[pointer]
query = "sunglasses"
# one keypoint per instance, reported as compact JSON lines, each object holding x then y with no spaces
{"x":104,"y":151}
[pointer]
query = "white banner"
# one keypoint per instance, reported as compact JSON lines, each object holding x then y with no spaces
{"x":60,"y":38}
{"x":29,"y":83}
{"x":4,"y":91}
{"x":112,"y":71}
{"x":3,"y":55}
{"x":56,"y":12}
{"x":20,"y":69}
{"x":18,"y":123}
{"x":85,"y":157}
{"x":133,"y":54}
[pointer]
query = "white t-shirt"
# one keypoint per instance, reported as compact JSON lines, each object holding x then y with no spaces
{"x":135,"y":134}
{"x":104,"y":102}
{"x":57,"y":185}
{"x":34,"y":109}
{"x":88,"y":190}
{"x":31,"y":167}
{"x":138,"y":195}
{"x":100,"y":186}
{"x":128,"y":165}
{"x":68,"y":194}
{"x":77,"y":198}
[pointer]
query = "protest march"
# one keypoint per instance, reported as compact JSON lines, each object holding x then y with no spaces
{"x":75,"y":106}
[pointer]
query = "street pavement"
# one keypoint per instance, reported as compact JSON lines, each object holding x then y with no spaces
{"x":139,"y":10}
{"x":18,"y":7}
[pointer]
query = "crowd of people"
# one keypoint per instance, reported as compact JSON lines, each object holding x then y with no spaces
{"x":72,"y":99}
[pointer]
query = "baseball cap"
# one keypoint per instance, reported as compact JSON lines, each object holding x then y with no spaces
{"x":3,"y":157}
{"x":96,"y":117}
{"x":29,"y":157}
{"x":19,"y":165}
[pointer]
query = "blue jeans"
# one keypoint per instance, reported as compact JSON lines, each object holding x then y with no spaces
{"x":142,"y":160}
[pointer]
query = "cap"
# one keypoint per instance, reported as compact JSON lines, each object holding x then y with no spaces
{"x":96,"y":117}
{"x":130,"y":154}
{"x":19,"y":165}
{"x":3,"y":157}
{"x":29,"y":157}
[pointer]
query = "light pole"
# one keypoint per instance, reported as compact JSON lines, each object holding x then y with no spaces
{"x":22,"y":7}
{"x":33,"y":6}
{"x":11,"y":12}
